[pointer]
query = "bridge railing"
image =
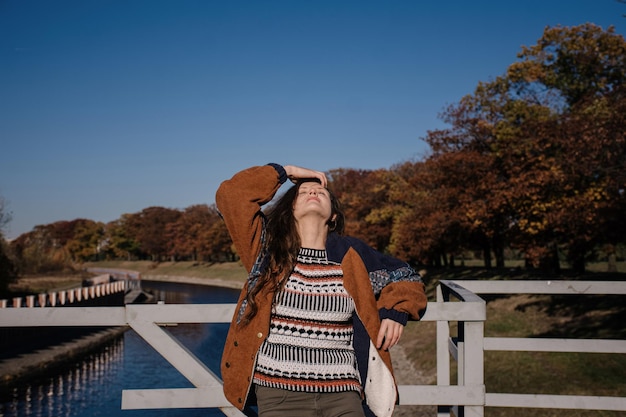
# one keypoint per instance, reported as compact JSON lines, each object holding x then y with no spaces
{"x":568,"y":345}
{"x":455,"y":304}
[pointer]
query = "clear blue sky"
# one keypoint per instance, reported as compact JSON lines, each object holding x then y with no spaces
{"x":108,"y":106}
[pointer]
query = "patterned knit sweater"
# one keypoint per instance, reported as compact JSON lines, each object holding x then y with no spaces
{"x":309,"y":347}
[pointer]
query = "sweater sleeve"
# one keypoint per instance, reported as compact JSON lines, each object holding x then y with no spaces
{"x":239,"y":201}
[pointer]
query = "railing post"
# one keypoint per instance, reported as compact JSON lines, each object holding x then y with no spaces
{"x":459,"y":410}
{"x":30,"y":301}
{"x":472,"y":354}
{"x":443,"y":354}
{"x":467,"y":349}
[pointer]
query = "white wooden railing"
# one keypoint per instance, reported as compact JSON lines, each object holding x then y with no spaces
{"x":467,"y":398}
{"x":554,"y":287}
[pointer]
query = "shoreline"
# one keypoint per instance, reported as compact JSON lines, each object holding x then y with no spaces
{"x":215,"y":282}
{"x":33,"y":365}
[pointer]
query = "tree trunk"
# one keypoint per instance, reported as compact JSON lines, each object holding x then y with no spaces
{"x":487,"y":255}
{"x":551,"y":262}
{"x":498,"y":250}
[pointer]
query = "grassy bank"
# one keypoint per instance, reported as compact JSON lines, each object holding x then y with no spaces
{"x":507,"y":316}
{"x":228,"y":271}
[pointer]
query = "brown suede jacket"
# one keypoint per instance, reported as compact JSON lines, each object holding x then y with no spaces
{"x":381,"y":286}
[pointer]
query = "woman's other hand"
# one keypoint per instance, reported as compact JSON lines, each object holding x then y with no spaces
{"x":389,"y":334}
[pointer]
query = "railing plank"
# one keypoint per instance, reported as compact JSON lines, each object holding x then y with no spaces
{"x":175,"y":398}
{"x":63,"y":316}
{"x":437,"y":394}
{"x":181,"y":313}
{"x":442,"y":311}
{"x":570,"y":402}
{"x":461,"y":291}
{"x":555,"y":345}
{"x":544,"y":287}
{"x":177,"y":354}
{"x":185,"y":313}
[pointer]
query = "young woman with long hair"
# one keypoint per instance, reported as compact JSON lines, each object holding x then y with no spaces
{"x":319,"y":311}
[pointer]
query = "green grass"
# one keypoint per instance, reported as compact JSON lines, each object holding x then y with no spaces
{"x":601,"y":266}
{"x":228,"y":271}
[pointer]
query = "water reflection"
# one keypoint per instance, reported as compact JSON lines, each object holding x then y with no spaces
{"x":73,"y":392}
{"x":93,"y":386}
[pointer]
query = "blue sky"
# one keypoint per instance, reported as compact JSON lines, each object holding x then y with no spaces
{"x":108,"y":106}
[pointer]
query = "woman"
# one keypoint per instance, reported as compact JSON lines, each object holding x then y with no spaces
{"x":319,"y":311}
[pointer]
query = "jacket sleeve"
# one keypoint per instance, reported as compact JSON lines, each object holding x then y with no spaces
{"x":399,"y":289}
{"x":239,"y":201}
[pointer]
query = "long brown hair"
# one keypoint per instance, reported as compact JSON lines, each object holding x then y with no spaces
{"x":282,"y":242}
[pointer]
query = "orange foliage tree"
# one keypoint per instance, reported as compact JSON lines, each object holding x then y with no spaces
{"x":539,"y":152}
{"x":362,"y":194}
{"x":59,"y":245}
{"x":199,"y":234}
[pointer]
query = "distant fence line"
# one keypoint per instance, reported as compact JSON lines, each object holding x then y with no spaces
{"x":109,"y":281}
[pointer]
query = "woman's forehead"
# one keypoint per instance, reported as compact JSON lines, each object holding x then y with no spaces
{"x":311,"y":184}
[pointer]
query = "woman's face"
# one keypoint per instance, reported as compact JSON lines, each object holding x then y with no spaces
{"x":312,"y":199}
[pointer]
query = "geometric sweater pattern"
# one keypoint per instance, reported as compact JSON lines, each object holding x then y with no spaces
{"x":309,"y":346}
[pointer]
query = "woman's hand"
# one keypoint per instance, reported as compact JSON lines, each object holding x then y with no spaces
{"x":389,"y":334}
{"x":295,"y":173}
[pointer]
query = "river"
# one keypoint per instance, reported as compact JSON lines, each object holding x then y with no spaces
{"x":93,"y":387}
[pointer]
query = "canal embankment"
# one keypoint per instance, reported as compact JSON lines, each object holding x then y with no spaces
{"x":33,"y":364}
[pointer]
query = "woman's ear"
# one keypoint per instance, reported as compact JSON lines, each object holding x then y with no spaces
{"x":332,"y":223}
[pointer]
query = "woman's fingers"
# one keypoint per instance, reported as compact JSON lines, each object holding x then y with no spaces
{"x":389,"y":334}
{"x":295,"y":173}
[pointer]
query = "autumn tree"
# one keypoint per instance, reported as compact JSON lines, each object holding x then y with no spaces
{"x":364,"y":195}
{"x":467,"y":174}
{"x":185,"y":234}
{"x":197,"y":235}
{"x":8,"y":270}
{"x":544,"y":133}
{"x":220,"y":244}
{"x":53,"y":247}
{"x":149,"y":229}
{"x":5,"y":215}
{"x":584,"y":67}
{"x":428,"y":227}
{"x":86,"y":241}
{"x":121,"y":242}
{"x":411,"y":207}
